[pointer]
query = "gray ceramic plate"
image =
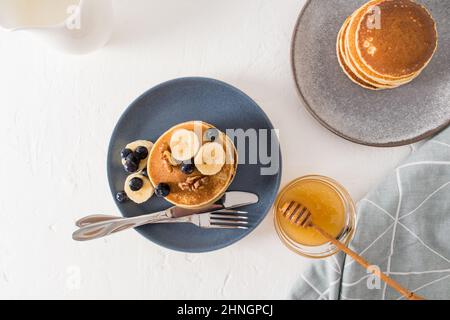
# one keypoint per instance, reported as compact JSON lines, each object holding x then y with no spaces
{"x":178,"y":101}
{"x":386,"y":119}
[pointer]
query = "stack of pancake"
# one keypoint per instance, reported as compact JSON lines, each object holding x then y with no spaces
{"x":210,"y":177}
{"x":387,"y":43}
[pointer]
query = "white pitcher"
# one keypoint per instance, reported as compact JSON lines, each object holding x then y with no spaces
{"x":73,"y":26}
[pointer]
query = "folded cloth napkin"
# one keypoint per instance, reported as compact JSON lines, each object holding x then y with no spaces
{"x":403,"y":227}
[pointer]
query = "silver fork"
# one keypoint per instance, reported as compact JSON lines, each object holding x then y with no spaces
{"x":216,"y":220}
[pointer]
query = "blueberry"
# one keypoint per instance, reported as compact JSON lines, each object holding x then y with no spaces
{"x":141,"y":153}
{"x":121,"y":197}
{"x":132,"y":158}
{"x":125,"y":152}
{"x":162,"y":190}
{"x":136,"y":184}
{"x":211,"y":135}
{"x":144,"y":172}
{"x":130,"y":167}
{"x":187,"y":168}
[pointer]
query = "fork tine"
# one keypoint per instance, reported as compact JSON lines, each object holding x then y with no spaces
{"x":230,"y":211}
{"x":227,"y":216}
{"x":228,"y":222}
{"x":217,"y":226}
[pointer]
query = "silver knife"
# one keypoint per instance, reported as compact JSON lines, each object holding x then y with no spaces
{"x":97,"y":226}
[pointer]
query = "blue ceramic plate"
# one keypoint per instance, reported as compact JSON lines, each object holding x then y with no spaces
{"x":183,"y":100}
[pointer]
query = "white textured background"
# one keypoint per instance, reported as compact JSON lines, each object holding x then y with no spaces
{"x":57,"y":114}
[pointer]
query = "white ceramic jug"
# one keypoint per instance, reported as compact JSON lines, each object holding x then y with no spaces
{"x":73,"y":26}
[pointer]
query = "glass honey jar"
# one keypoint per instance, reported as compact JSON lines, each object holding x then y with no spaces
{"x":331,"y":207}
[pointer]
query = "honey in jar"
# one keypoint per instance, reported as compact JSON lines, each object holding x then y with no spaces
{"x":331,"y":209}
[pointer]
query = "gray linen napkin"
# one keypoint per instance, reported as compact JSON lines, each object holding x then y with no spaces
{"x":403,"y":227}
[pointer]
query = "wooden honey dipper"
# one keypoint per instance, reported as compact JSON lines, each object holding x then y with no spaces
{"x":300,"y":216}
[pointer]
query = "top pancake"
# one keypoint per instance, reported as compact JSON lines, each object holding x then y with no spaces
{"x":359,"y":66}
{"x":403,"y":45}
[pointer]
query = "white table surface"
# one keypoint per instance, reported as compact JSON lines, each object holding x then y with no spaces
{"x":57,"y":115}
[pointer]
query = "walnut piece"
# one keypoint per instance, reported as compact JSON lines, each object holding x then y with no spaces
{"x":193,"y":183}
{"x":166,"y":157}
{"x":168,"y":166}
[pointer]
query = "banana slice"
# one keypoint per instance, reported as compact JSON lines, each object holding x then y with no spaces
{"x":143,"y":194}
{"x":210,"y":159}
{"x":184,"y":144}
{"x":136,"y":144}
